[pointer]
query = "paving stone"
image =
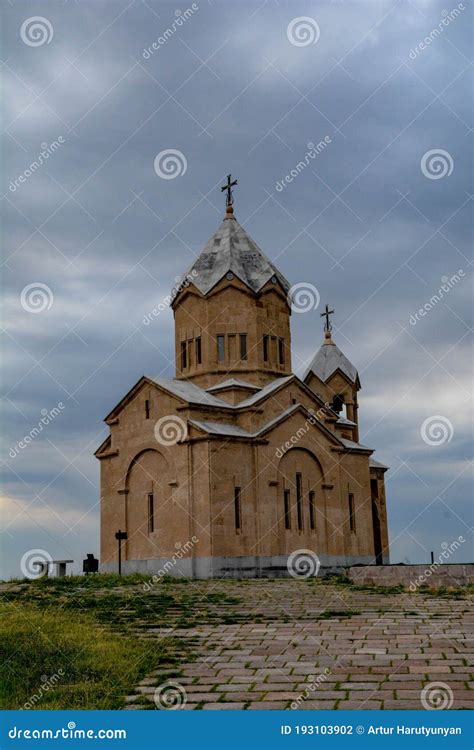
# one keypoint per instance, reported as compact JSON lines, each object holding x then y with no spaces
{"x":374,"y":660}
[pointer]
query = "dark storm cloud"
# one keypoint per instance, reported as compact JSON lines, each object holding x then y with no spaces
{"x":109,"y":237}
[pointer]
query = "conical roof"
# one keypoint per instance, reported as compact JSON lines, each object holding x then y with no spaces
{"x":328,"y":359}
{"x":231,"y":250}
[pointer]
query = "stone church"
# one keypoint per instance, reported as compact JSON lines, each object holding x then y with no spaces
{"x":236,"y":463}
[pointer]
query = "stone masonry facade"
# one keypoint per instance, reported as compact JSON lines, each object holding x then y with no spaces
{"x":235,"y":464}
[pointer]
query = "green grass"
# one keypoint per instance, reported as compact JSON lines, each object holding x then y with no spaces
{"x":86,"y":665}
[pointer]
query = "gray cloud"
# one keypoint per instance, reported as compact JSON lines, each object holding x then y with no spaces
{"x":230,"y":92}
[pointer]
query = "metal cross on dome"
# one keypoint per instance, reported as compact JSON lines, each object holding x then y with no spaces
{"x":230,"y":184}
{"x":326,"y":314}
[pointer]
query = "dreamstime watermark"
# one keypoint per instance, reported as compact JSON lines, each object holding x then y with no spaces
{"x":303,"y":563}
{"x":311,"y":688}
{"x":300,"y":432}
{"x":47,"y":150}
{"x":447,"y":284}
{"x":437,"y":430}
{"x":312,"y":153}
{"x":448,"y":17}
{"x":436,"y":164}
{"x":303,"y":297}
{"x":448,"y":550}
{"x":303,"y":31}
{"x":181,"y":18}
{"x":34,"y":563}
{"x":46,"y":684}
{"x":36,"y":31}
{"x":181,"y":283}
{"x":46,"y":418}
{"x":36,"y":297}
{"x":170,"y":696}
{"x":170,"y":164}
{"x":437,"y":696}
{"x":170,"y":430}
{"x":181,"y":551}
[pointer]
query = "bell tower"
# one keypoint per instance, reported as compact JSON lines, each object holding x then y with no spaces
{"x":232,"y":312}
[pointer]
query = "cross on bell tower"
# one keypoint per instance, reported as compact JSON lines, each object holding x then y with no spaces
{"x":326,"y":314}
{"x":229,"y":199}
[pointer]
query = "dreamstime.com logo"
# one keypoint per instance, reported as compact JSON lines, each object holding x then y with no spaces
{"x":170,"y":696}
{"x":36,"y":31}
{"x":71,"y":732}
{"x":300,"y":432}
{"x":181,"y":551}
{"x":303,"y":563}
{"x":170,"y":164}
{"x":46,"y":684}
{"x":170,"y":430}
{"x":181,"y":18}
{"x":437,"y":696}
{"x":46,"y":418}
{"x":312,"y":152}
{"x":47,"y":150}
{"x":436,"y":164}
{"x":448,"y":550}
{"x":437,"y":430}
{"x":303,"y":297}
{"x":448,"y":17}
{"x":36,"y":297}
{"x":181,"y":283}
{"x":303,"y":31}
{"x":447,"y":284}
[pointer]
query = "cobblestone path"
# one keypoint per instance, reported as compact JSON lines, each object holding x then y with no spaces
{"x":292,"y":645}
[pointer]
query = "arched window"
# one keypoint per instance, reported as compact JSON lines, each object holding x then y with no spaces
{"x":338,"y":403}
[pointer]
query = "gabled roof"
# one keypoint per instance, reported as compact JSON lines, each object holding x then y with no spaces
{"x":265,"y":391}
{"x":221,"y":428}
{"x":231,"y":250}
{"x":373,"y":464}
{"x":233,"y":383}
{"x":191,"y":393}
{"x":354,"y":446}
{"x":225,"y":429}
{"x":328,"y":359}
{"x":343,"y":422}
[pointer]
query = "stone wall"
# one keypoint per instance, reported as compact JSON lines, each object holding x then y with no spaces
{"x":413,"y":576}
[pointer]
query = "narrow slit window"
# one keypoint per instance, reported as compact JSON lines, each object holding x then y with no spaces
{"x":281,"y":351}
{"x":147,"y":409}
{"x":352,"y":523}
{"x":299,"y":499}
{"x":312,"y":513}
{"x":243,"y":346}
{"x":265,"y":348}
{"x":198,"y":351}
{"x":184,"y":355}
{"x":190,"y":353}
{"x":151,"y":513}
{"x":220,"y":348}
{"x":286,"y":500}
{"x":237,"y":508}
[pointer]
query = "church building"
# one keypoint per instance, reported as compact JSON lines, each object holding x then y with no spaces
{"x":236,"y":463}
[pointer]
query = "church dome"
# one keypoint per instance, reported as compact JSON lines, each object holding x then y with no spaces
{"x":232,"y":252}
{"x":328,"y":359}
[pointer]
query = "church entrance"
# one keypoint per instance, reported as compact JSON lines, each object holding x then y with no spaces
{"x":376,"y":523}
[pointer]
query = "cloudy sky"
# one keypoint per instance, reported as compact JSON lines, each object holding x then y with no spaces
{"x":95,"y":236}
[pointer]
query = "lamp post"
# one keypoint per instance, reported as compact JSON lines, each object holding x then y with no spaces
{"x":119,"y":535}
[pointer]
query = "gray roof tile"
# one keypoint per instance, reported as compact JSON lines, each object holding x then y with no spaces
{"x":327,"y":360}
{"x":232,"y":250}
